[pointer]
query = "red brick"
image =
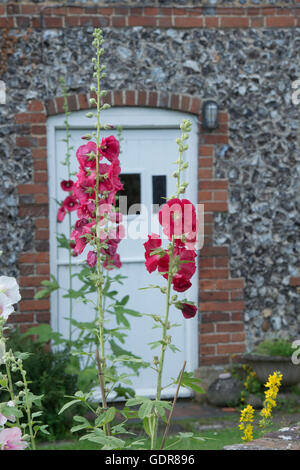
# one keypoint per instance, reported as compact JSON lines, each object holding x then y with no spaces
{"x":53,"y":22}
{"x":43,"y":269}
{"x":206,"y":285}
{"x":130,"y":98}
{"x":38,"y":129}
{"x":214,"y":139}
{"x":280,"y":21}
{"x":211,"y":22}
{"x":141,"y":21}
{"x":152,"y":98}
{"x":238,"y":337}
{"x":206,"y":150}
{"x":142,"y":98}
{"x":42,"y":223}
{"x":43,"y":317}
{"x":42,"y":235}
{"x":40,"y":165}
{"x":207,"y":350}
{"x":40,"y":176}
{"x":118,"y":21}
{"x":34,"y":257}
{"x":27,"y":305}
{"x":32,"y":189}
{"x":229,"y":284}
{"x":189,"y":22}
{"x":234,"y":22}
{"x":26,"y":142}
{"x":214,"y":184}
{"x":166,"y":22}
{"x":207,"y":328}
{"x":221,"y":262}
{"x":21,"y":317}
{"x":257,"y":22}
{"x":230,"y":327}
{"x":215,"y":317}
{"x":216,"y":207}
{"x":214,"y":251}
{"x":214,"y":274}
{"x":185,"y":103}
{"x":32,"y":281}
{"x":39,"y":153}
{"x":205,"y":163}
{"x":214,"y":338}
{"x":34,"y":105}
{"x":230,"y":348}
{"x":295,"y":281}
{"x":221,"y":306}
{"x":41,"y":198}
{"x":212,"y":296}
{"x":220,"y":195}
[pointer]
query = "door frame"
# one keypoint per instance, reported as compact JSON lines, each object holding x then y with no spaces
{"x":128,"y":118}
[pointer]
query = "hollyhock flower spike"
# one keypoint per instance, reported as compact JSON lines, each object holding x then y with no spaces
{"x":176,"y":263}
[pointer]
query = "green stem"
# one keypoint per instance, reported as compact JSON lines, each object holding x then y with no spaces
{"x":28,"y":407}
{"x":164,"y":344}
{"x":11,"y":388}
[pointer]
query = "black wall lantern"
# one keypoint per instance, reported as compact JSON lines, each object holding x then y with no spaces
{"x":210,"y":112}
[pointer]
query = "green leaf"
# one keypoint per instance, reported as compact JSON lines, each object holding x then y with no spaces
{"x":145,"y":410}
{"x":67,"y":405}
{"x":136,"y":401}
{"x":189,"y":381}
{"x":107,"y":416}
{"x":109,"y":442}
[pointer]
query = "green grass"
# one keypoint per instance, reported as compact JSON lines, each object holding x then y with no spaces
{"x":213,"y":440}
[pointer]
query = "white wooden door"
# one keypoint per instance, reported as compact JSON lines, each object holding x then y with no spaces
{"x":148,"y":152}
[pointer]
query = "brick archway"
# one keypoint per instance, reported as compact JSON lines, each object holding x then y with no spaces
{"x":221,"y":326}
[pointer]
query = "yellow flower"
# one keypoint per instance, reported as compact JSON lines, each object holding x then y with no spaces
{"x":248,"y":433}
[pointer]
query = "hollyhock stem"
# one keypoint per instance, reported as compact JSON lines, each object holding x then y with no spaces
{"x":28,"y":412}
{"x":164,"y":343}
{"x":98,"y":43}
{"x":67,"y":163}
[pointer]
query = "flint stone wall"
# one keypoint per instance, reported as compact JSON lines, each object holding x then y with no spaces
{"x":249,"y":73}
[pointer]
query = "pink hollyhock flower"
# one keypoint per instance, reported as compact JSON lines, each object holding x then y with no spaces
{"x":91,"y":259}
{"x":110,"y":148}
{"x":188,"y":310}
{"x":86,"y":155}
{"x":61,"y":214}
{"x":181,"y":283}
{"x":66,"y":185}
{"x":177,"y":217}
{"x":11,"y":439}
{"x":70,"y":204}
{"x":86,"y":210}
{"x":112,"y":262}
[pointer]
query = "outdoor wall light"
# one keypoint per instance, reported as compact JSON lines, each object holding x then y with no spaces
{"x":210,"y":112}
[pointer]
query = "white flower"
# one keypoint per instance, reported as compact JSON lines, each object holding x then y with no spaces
{"x":6,"y":307}
{"x":10,"y":287}
{"x":3,"y":419}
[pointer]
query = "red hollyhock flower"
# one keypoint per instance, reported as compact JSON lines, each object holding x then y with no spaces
{"x":153,"y":243}
{"x":187,"y":260}
{"x":181,"y":283}
{"x":188,"y":310}
{"x":110,"y":148}
{"x":61,"y":214}
{"x":70,"y":204}
{"x":66,"y":185}
{"x":177,"y":217}
{"x":91,"y":259}
{"x":86,"y":155}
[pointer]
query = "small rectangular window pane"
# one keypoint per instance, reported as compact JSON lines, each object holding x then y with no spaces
{"x":132,"y":189}
{"x":159,"y":189}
